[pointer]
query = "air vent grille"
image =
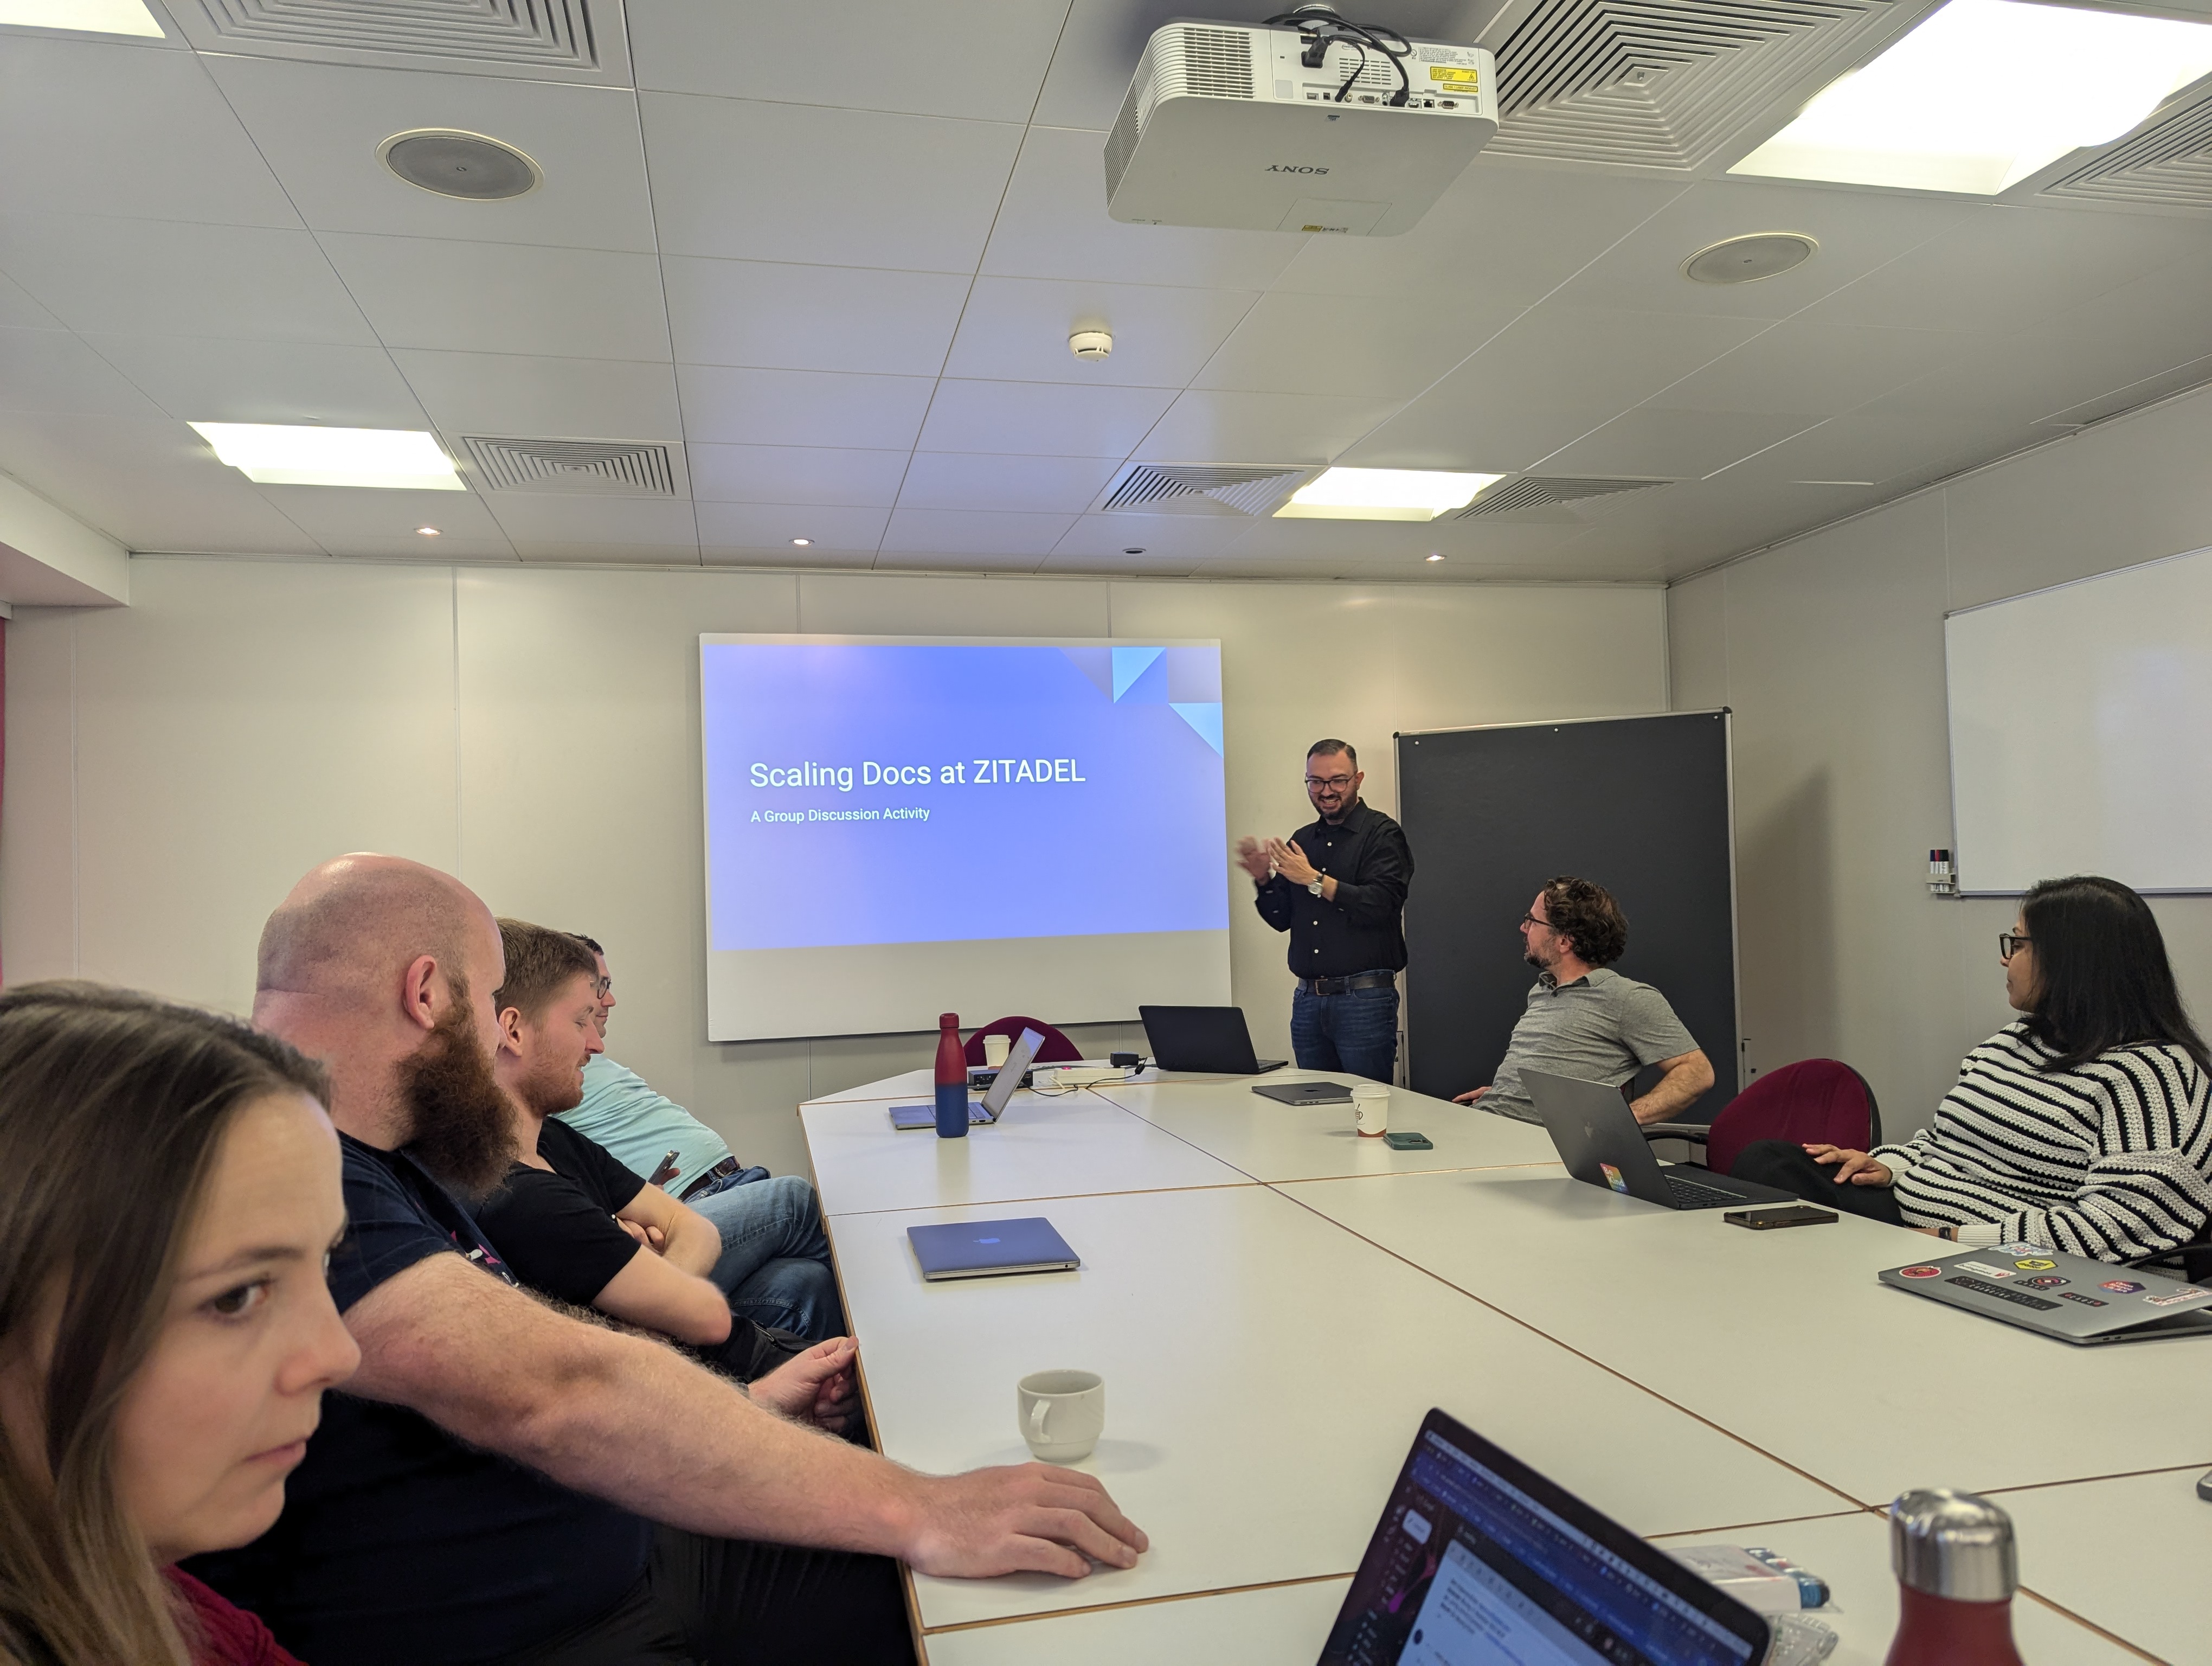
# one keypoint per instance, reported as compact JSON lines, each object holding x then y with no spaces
{"x":2168,"y":165}
{"x":1663,"y":84}
{"x":601,"y":468}
{"x":1202,"y":488}
{"x":546,"y":34}
{"x":1533,"y":492}
{"x":1216,"y":62}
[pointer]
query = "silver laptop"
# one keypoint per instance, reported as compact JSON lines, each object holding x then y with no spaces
{"x":1599,"y":1140}
{"x":2068,"y":1297}
{"x":986,"y":1110}
{"x":988,"y":1248}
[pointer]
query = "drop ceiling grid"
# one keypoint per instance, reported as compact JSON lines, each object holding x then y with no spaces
{"x":809,"y":286}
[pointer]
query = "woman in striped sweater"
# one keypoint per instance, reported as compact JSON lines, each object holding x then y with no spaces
{"x":2085,"y":1124}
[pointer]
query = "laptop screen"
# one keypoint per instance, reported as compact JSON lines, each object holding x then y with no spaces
{"x":1480,"y":1561}
{"x":1018,"y":1059}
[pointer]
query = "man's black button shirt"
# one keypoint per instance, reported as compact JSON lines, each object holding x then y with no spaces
{"x":1358,"y":930}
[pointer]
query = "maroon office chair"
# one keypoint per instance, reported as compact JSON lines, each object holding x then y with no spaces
{"x":1812,"y":1100}
{"x":1056,"y":1049}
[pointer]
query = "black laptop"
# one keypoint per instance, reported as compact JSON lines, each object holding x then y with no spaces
{"x":1479,"y":1561}
{"x":1601,"y":1144}
{"x":1209,"y":1039}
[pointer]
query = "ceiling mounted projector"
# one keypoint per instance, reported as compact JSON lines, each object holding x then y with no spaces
{"x":1312,"y":125}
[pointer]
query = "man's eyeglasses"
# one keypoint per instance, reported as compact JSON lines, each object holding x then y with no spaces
{"x":2009,"y":944}
{"x":1332,"y":783}
{"x":1531,"y":919}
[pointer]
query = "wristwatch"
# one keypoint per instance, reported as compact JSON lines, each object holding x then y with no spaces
{"x":1316,"y":886}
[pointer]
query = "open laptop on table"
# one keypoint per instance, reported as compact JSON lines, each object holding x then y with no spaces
{"x":2055,"y":1294}
{"x":1212,"y":1040}
{"x":986,"y":1110}
{"x":1601,"y":1145}
{"x":1480,"y":1561}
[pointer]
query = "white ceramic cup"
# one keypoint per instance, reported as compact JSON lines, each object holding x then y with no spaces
{"x":1370,"y":1104}
{"x":1062,"y":1414}
{"x":995,"y":1048}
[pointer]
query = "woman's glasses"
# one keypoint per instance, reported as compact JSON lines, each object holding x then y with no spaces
{"x":2009,"y":944}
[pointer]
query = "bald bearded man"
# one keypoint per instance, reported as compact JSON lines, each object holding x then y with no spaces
{"x":505,"y":1482}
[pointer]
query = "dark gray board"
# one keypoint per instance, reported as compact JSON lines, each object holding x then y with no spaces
{"x":1641,"y":804}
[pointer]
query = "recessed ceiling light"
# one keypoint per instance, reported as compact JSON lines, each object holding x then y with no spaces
{"x":90,"y":16}
{"x":426,"y":531}
{"x":279,"y":455}
{"x":1748,"y":259}
{"x":1383,"y":494}
{"x":802,"y":542}
{"x":452,"y":163}
{"x":1985,"y":92}
{"x":1436,"y":557}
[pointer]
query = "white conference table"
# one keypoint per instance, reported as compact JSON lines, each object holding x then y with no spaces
{"x":1275,"y":1302}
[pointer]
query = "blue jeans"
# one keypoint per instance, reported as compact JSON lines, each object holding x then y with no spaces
{"x":1356,"y":1032}
{"x":775,"y":1266}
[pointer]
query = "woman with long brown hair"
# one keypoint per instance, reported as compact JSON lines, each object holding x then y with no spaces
{"x":168,"y":1193}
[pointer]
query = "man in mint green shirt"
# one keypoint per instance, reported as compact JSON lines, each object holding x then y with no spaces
{"x":775,"y":1256}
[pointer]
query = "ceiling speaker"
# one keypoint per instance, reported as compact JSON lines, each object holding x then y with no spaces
{"x":1748,"y":259}
{"x":456,"y":164}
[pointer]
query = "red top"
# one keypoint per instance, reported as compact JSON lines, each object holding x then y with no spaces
{"x":228,"y":1635}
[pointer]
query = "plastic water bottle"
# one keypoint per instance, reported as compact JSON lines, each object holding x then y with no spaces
{"x":1956,"y":1572}
{"x":952,"y":1080}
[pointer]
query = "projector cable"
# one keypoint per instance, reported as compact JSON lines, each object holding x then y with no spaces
{"x":1322,"y":27}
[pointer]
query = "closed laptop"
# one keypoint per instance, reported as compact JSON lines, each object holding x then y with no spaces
{"x":986,"y":1249}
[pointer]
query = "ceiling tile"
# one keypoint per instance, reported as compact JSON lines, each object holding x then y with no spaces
{"x":745,"y":181}
{"x":53,"y":370}
{"x":1061,"y":485}
{"x":1208,"y":427}
{"x":1659,"y":442}
{"x":1300,"y":343}
{"x":153,"y":485}
{"x":1874,"y":443}
{"x":505,"y":297}
{"x":165,"y":277}
{"x":201,"y":378}
{"x":773,"y":526}
{"x":524,"y":395}
{"x":1820,"y":367}
{"x":542,"y":518}
{"x":352,"y":522}
{"x":1041,"y":419}
{"x":1503,"y":231}
{"x":113,"y":127}
{"x":800,"y":407}
{"x":1160,"y":537}
{"x":1053,"y":224}
{"x":796,"y":474}
{"x":1857,"y":231}
{"x":19,"y":312}
{"x":2008,"y":265}
{"x":320,"y":125}
{"x":763,"y":313}
{"x":1016,"y":328}
{"x":985,"y":62}
{"x":983,"y":532}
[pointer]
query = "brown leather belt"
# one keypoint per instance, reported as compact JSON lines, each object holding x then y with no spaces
{"x":728,"y":1165}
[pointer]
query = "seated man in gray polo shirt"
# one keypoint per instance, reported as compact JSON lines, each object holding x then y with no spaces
{"x":1588,"y":1022}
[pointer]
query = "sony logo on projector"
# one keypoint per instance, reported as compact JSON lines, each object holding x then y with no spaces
{"x":989,"y":772}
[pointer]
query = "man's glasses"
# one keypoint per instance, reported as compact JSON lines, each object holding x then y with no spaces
{"x":1531,"y":919}
{"x":2009,"y":944}
{"x":1332,"y":783}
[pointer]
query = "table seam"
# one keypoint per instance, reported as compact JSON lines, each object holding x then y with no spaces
{"x":1134,"y":1602}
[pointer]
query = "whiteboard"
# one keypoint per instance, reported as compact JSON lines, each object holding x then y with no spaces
{"x":2081,"y":731}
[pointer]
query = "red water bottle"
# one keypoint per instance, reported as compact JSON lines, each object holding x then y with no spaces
{"x":952,"y":1080}
{"x":1956,"y":1572}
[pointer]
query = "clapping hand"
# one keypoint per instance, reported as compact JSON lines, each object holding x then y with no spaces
{"x":1291,"y":862}
{"x":1252,"y":856}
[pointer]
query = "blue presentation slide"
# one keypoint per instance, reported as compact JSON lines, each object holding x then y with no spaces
{"x":870,"y":792}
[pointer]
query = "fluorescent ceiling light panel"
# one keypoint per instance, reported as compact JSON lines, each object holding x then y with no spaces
{"x":1383,"y":494}
{"x":91,"y":16}
{"x":280,"y":454}
{"x":1985,"y":92}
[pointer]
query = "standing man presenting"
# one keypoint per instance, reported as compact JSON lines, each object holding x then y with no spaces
{"x":1339,"y":888}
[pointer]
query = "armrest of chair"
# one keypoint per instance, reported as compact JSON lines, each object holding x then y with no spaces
{"x":1696,"y":1133}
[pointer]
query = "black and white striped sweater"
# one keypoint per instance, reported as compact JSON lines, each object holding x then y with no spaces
{"x":2110,"y":1159}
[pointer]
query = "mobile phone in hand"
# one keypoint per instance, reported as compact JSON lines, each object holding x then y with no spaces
{"x":667,"y":1168}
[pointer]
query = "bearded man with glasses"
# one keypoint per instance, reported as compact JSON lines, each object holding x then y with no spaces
{"x":1337,"y":886}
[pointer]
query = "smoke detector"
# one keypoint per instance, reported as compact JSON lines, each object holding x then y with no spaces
{"x":1748,"y":259}
{"x":452,"y":163}
{"x":1090,"y":344}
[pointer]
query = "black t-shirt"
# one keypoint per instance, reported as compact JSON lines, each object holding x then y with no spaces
{"x":397,"y":1542}
{"x":558,"y":1231}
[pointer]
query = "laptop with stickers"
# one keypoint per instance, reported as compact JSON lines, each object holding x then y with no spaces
{"x":2068,"y":1297}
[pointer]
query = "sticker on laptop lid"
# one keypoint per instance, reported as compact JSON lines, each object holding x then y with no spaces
{"x":2020,"y":1249}
{"x":2122,"y":1287}
{"x":1919,"y":1272}
{"x":1613,"y":1178}
{"x":2086,"y":1301}
{"x":2047,"y":1281}
{"x":2174,"y":1298}
{"x":2035,"y":1264}
{"x":1985,"y":1270}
